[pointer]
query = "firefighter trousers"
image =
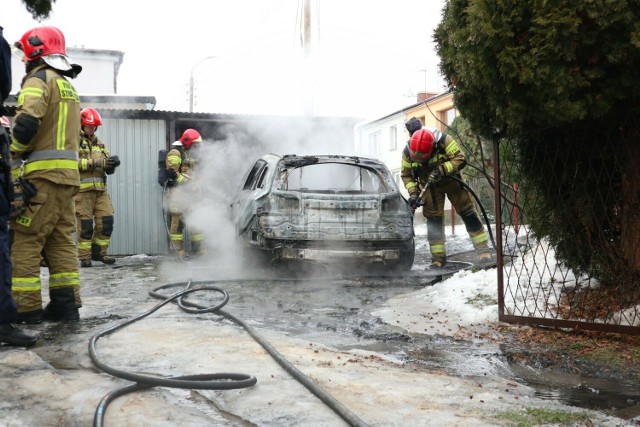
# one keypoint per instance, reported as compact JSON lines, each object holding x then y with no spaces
{"x":177,"y":232}
{"x":94,"y":223}
{"x":46,"y":227}
{"x":433,"y":211}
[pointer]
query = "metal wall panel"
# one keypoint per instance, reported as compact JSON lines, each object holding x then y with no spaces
{"x":139,"y":226}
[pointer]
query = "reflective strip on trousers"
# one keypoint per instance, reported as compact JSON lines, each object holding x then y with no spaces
{"x":61,"y":280}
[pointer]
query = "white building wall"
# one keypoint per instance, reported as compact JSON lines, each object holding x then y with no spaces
{"x":376,"y":139}
{"x":98,"y":76}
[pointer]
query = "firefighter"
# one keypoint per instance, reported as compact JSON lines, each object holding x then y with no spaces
{"x":413,"y":124}
{"x":94,"y":211}
{"x":9,"y":334}
{"x":181,"y":164}
{"x":429,"y":161}
{"x":44,"y":159}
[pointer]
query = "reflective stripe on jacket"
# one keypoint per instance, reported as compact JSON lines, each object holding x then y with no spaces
{"x":181,"y":162}
{"x":52,"y":153}
{"x":447,"y":157}
{"x":92,"y":178}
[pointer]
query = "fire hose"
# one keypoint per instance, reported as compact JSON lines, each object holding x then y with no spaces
{"x":219,"y":381}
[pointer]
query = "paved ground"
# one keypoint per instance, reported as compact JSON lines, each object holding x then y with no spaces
{"x":56,"y":383}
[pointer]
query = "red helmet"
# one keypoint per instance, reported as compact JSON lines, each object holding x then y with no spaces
{"x":421,"y":145}
{"x":90,"y":117}
{"x":48,"y":43}
{"x":189,"y":137}
{"x":42,"y":41}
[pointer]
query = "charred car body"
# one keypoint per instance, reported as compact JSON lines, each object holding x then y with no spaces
{"x":327,"y":209}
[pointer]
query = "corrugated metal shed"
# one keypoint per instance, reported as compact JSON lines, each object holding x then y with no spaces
{"x":137,"y":198}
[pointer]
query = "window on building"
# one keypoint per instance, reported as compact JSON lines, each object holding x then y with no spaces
{"x":448,"y":116}
{"x":374,"y":142}
{"x":393,"y":138}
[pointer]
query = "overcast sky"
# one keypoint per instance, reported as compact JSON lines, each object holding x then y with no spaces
{"x":370,"y":58}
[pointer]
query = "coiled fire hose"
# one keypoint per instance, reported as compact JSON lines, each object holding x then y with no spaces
{"x":219,"y":381}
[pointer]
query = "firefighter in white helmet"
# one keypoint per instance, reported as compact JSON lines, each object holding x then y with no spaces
{"x":181,"y":165}
{"x":94,"y":210}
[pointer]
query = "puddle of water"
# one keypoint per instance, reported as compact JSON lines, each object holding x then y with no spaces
{"x":590,"y":393}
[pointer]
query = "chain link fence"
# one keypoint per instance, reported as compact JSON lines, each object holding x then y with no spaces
{"x":584,"y":274}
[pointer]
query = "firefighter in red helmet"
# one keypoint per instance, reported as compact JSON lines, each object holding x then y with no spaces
{"x":94,"y":210}
{"x":429,"y":161}
{"x":44,"y":154}
{"x":181,"y":164}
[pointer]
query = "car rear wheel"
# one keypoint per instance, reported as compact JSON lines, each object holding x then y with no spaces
{"x":407,"y":256}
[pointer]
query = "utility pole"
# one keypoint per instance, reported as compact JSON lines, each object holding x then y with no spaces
{"x":425,"y":80}
{"x":308,"y":56}
{"x":192,"y":83}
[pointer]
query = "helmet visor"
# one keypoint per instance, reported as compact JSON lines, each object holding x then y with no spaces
{"x":16,"y":50}
{"x":58,"y":61}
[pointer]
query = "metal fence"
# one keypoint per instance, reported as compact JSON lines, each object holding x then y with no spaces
{"x":535,"y":285}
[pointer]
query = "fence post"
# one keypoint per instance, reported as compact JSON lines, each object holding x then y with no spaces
{"x":516,"y":211}
{"x":453,"y":220}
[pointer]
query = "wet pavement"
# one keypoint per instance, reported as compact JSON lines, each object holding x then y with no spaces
{"x":335,"y":329}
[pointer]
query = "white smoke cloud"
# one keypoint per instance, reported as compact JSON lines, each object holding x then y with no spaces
{"x":223,"y":164}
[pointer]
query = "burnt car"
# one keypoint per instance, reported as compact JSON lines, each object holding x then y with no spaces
{"x":327,"y":209}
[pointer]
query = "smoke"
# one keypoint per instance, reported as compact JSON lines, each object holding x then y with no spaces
{"x":223,"y":163}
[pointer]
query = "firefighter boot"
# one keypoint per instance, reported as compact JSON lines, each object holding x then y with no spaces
{"x":62,"y":307}
{"x":85,"y":263}
{"x":438,"y":261}
{"x":483,"y":251}
{"x":197,"y":249}
{"x":30,"y":317}
{"x":96,"y":255}
{"x":13,"y":336}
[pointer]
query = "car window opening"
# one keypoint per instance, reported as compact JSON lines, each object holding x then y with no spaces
{"x":333,"y":178}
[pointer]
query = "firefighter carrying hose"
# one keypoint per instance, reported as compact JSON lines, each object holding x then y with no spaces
{"x":429,"y":161}
{"x":94,"y":210}
{"x":44,"y":159}
{"x":180,"y":164}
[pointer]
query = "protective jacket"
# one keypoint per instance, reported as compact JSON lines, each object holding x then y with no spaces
{"x":91,"y":160}
{"x":447,"y":158}
{"x":46,"y":101}
{"x":179,"y":161}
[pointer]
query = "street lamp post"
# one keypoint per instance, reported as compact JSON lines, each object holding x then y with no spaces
{"x":191,"y":81}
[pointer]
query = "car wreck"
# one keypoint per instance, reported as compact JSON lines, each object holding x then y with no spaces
{"x":327,"y":209}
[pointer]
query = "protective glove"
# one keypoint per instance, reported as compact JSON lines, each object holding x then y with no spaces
{"x":413,"y":201}
{"x":22,"y":191}
{"x":435,"y":176}
{"x":110,"y":164}
{"x":172,"y":174}
{"x":114,"y":161}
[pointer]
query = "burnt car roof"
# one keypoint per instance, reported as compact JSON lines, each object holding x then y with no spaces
{"x":293,"y":160}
